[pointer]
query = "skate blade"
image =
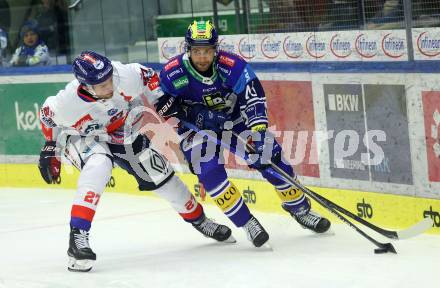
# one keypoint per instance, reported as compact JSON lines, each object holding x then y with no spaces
{"x":230,"y":240}
{"x":84,"y":265}
{"x":265,"y":247}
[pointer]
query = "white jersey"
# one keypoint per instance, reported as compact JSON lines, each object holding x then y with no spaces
{"x":115,"y":119}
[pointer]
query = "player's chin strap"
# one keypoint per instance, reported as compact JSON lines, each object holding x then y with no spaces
{"x":334,"y":208}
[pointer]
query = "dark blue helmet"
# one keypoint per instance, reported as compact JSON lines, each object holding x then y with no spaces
{"x":30,"y":25}
{"x":201,"y":33}
{"x":91,"y":68}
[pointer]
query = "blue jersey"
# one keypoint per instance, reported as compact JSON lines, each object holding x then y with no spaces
{"x":233,"y":87}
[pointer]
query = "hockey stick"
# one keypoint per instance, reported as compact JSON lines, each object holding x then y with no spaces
{"x":406,"y":233}
{"x":332,"y":207}
{"x":409,"y":232}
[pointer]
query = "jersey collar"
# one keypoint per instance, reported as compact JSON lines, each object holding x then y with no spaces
{"x":197,"y":75}
{"x":84,"y":95}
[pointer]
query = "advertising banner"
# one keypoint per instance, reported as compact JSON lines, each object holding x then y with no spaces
{"x":291,"y":113}
{"x":19,"y":116}
{"x":426,"y":43}
{"x":371,"y":140}
{"x":365,"y":45}
{"x":346,"y":124}
{"x":385,"y":107}
{"x":431,"y":113}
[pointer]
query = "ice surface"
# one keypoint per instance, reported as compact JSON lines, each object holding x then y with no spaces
{"x":141,"y":242}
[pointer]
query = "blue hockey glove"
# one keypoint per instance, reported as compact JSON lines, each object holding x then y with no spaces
{"x":206,"y":119}
{"x":265,"y":147}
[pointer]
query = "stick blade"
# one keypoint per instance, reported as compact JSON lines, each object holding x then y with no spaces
{"x":416,"y":229}
{"x":385,"y":248}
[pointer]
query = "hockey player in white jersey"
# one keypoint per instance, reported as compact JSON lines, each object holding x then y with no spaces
{"x":94,"y":123}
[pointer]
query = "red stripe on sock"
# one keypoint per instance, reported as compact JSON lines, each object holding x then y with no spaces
{"x":193,"y":215}
{"x":82,"y":212}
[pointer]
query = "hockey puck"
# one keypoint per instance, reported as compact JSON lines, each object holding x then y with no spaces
{"x":380,"y":251}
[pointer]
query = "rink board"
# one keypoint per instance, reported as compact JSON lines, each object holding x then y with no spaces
{"x":386,"y":210}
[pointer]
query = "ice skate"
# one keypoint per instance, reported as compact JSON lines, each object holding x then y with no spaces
{"x":215,"y":231}
{"x":309,"y":219}
{"x":81,"y":256}
{"x":255,"y":232}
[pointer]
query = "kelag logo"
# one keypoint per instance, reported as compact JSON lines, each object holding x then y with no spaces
{"x":28,"y":119}
{"x":249,"y":196}
{"x":435,"y":216}
{"x":365,"y":210}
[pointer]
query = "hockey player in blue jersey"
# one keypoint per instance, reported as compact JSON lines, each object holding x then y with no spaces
{"x":208,"y":87}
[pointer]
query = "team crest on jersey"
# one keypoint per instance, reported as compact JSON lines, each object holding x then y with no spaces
{"x":172,"y":64}
{"x":214,"y":101}
{"x":227,"y":61}
{"x":112,"y":112}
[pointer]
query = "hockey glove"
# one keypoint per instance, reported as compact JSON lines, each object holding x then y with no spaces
{"x":168,"y":106}
{"x":206,"y":119}
{"x":265,"y":147}
{"x":49,"y":164}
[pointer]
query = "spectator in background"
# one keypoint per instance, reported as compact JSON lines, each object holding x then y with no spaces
{"x":390,"y":16}
{"x":45,"y":15}
{"x":31,"y":50}
{"x":52,"y":18}
{"x":5,"y":15}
